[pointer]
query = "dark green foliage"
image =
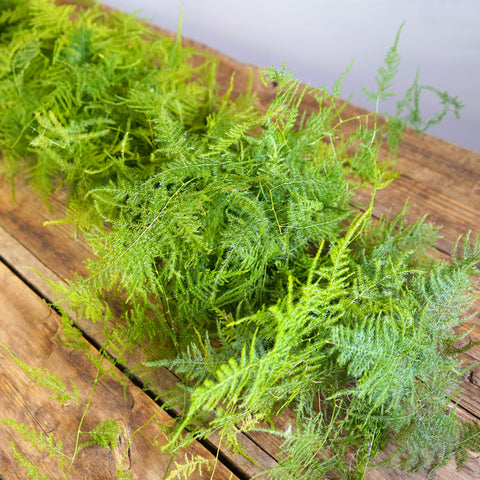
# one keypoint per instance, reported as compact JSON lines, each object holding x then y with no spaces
{"x":226,"y":238}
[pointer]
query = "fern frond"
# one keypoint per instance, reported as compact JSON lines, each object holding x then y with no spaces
{"x":104,"y":434}
{"x":411,"y":103}
{"x":32,"y":471}
{"x":193,"y":464}
{"x":387,"y":73}
{"x":37,"y":439}
{"x":45,"y":378}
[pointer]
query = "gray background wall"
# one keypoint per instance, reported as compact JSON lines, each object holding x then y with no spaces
{"x":317,"y":39}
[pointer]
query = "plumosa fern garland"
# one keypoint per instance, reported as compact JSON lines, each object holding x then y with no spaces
{"x":231,"y":241}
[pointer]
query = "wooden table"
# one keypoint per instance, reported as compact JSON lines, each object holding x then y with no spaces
{"x":438,"y":178}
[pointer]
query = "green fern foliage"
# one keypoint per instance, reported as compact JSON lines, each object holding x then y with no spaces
{"x":370,"y":341}
{"x":194,"y":464}
{"x":227,"y":240}
{"x":47,"y":379}
{"x":31,"y":470}
{"x":38,"y":439}
{"x":104,"y":434}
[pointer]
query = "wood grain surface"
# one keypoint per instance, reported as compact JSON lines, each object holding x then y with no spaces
{"x":29,"y":328}
{"x":437,"y":179}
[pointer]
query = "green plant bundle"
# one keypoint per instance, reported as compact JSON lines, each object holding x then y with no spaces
{"x":227,"y":236}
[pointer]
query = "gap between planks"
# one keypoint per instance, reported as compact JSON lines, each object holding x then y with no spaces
{"x":16,"y":255}
{"x":29,"y":329}
{"x":37,"y":276}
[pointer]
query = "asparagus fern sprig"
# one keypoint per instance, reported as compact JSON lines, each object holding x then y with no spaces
{"x":226,"y":235}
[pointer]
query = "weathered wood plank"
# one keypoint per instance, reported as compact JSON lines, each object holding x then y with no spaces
{"x":29,"y":329}
{"x":56,"y":245}
{"x":35,"y":273}
{"x":437,"y":183}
